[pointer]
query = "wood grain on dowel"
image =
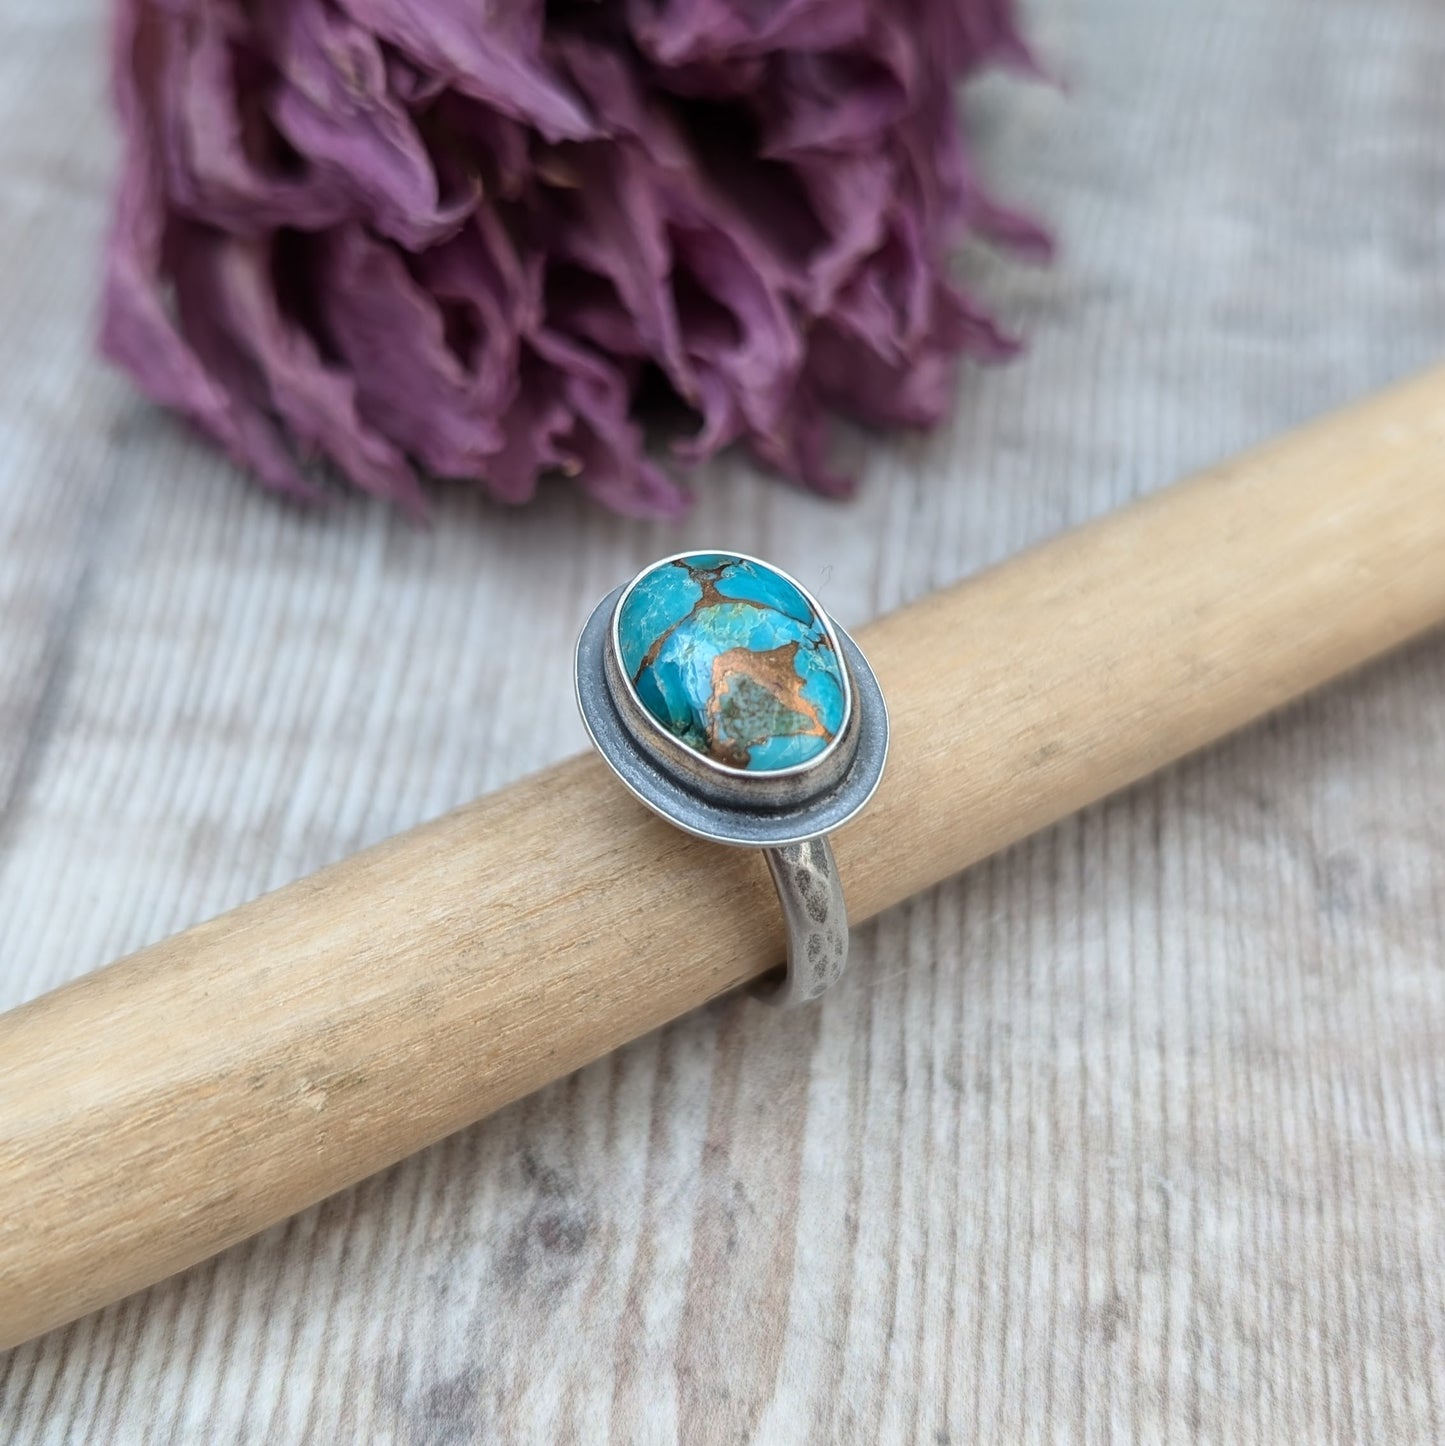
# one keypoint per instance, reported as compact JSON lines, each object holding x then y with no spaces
{"x":161,"y":1109}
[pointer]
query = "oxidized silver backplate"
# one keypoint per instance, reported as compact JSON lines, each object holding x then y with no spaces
{"x":766,"y":822}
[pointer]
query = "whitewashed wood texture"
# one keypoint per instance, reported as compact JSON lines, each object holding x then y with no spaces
{"x":1136,"y":1132}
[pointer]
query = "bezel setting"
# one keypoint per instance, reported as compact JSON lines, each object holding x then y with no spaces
{"x":713,"y":799}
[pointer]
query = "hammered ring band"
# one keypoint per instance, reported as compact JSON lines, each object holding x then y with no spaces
{"x":727,"y":701}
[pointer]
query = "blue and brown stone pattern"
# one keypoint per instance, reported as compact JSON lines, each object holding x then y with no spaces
{"x":731,"y":658}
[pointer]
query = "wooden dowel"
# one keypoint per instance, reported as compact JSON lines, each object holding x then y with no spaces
{"x":161,"y":1109}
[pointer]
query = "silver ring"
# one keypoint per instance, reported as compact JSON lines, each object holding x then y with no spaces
{"x":729,"y":702}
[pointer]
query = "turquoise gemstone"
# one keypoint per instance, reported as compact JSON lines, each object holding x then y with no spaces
{"x":732,"y":658}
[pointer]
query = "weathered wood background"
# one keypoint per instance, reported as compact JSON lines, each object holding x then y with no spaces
{"x":1137,"y":1131}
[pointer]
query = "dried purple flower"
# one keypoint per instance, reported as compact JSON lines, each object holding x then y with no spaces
{"x":471,"y":240}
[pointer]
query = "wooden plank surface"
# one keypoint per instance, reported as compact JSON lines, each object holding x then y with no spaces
{"x":1135,"y":1131}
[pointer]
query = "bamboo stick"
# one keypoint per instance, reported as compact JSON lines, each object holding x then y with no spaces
{"x":174,"y":1103}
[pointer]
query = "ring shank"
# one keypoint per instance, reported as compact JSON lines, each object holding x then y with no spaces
{"x":811,"y":895}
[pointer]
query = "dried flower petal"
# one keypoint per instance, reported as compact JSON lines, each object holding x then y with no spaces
{"x":414,"y":238}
